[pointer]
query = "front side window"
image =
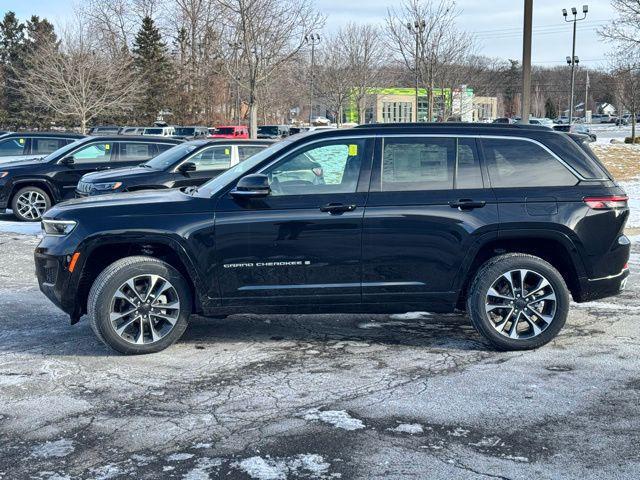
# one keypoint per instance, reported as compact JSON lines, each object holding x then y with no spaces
{"x":44,"y":146}
{"x":410,"y":164}
{"x":12,"y":146}
{"x":245,"y":151}
{"x":93,"y":153}
{"x":520,"y":163}
{"x":213,"y":158}
{"x":133,"y":152}
{"x":332,"y":167}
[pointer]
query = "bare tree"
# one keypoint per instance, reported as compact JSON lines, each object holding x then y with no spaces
{"x":625,"y":29}
{"x":269,"y":34}
{"x":433,"y":48}
{"x":627,"y":75}
{"x":78,"y":82}
{"x":334,"y":77}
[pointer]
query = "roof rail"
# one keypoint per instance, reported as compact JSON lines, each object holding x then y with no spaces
{"x":453,"y":125}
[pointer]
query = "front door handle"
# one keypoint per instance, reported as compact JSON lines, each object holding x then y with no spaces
{"x":102,"y":168}
{"x":337,"y":208}
{"x":467,"y":204}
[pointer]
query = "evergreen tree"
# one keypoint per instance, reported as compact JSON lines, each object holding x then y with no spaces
{"x":154,"y":70}
{"x":550,"y":110}
{"x":11,"y":63}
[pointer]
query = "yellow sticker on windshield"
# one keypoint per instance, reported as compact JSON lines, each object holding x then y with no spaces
{"x":107,"y":146}
{"x":353,"y":150}
{"x":21,"y":140}
{"x":227,"y":151}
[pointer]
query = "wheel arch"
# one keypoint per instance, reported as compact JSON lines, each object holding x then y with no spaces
{"x":34,"y":182}
{"x":98,"y":254}
{"x":552,"y":246}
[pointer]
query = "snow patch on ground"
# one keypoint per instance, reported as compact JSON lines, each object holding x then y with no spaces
{"x":410,"y":316}
{"x":21,"y":228}
{"x":179,"y":457}
{"x":370,"y":325}
{"x":337,"y":418}
{"x":410,"y":428}
{"x":260,"y":468}
{"x":201,"y":471}
{"x":633,"y":190}
{"x":59,"y":448}
{"x":606,"y":306}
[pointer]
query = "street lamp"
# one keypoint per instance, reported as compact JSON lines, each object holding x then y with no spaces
{"x":573,"y":60}
{"x":417,"y":28}
{"x":313,"y":39}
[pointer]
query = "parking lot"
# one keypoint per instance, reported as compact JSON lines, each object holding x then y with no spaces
{"x":326,"y":396}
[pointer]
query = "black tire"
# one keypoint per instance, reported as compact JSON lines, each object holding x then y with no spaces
{"x":26,"y":191}
{"x":107,"y":284}
{"x":484,"y":279}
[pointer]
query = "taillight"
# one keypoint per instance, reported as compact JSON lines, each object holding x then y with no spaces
{"x":606,"y":203}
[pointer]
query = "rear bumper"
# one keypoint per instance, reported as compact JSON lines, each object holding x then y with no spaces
{"x":597,"y":288}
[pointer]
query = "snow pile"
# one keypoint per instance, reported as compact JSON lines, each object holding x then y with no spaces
{"x":282,"y":468}
{"x":410,"y":428}
{"x":633,"y":190}
{"x":21,"y":228}
{"x":337,"y":418}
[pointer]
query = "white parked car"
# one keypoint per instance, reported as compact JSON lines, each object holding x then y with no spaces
{"x":159,"y":131}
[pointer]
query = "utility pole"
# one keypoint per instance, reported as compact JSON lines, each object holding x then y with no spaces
{"x":526,"y":61}
{"x":573,"y":60}
{"x":417,"y":29}
{"x":313,"y":39}
{"x":586,"y":96}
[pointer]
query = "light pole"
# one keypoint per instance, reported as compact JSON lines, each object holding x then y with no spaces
{"x":572,"y":60}
{"x":526,"y":61}
{"x":313,"y":39}
{"x":416,"y":29}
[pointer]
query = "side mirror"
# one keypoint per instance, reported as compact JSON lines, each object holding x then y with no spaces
{"x":67,"y":161}
{"x":252,"y":186}
{"x":187,"y":167}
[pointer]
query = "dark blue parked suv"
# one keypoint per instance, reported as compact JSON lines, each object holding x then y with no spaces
{"x":507,"y":222}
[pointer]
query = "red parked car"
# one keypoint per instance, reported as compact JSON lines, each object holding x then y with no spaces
{"x":234,"y":131}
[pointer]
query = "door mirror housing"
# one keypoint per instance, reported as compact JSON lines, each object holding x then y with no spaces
{"x":252,"y":186}
{"x":187,"y":167}
{"x":67,"y":161}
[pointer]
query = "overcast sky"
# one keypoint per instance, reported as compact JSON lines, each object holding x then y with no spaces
{"x":497,"y":24}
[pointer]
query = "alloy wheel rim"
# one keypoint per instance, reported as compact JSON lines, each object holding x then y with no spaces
{"x":31,"y":205}
{"x":521,"y":304}
{"x":144,"y":309}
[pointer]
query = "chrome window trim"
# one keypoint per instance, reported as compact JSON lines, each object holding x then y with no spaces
{"x":445,"y":135}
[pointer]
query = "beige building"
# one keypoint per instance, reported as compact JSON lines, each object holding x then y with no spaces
{"x":485,"y":108}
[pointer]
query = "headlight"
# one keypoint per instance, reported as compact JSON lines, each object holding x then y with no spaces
{"x":107,"y":186}
{"x":3,"y":174}
{"x":58,"y":227}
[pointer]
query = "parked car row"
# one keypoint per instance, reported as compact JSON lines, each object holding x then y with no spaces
{"x":30,"y":187}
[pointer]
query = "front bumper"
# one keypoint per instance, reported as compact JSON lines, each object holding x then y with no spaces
{"x":597,"y":288}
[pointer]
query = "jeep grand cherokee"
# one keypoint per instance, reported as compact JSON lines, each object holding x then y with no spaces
{"x":506,"y":221}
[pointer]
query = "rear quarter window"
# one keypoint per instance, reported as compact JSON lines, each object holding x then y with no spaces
{"x":520,"y":164}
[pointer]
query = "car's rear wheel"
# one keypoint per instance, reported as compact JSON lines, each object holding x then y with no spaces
{"x":518,"y":301}
{"x":139,"y":305}
{"x":30,"y":203}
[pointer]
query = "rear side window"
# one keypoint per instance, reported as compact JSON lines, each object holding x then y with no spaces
{"x":245,"y":151}
{"x":133,"y":152}
{"x":44,"y":146}
{"x":519,"y":163}
{"x":213,"y":158}
{"x":94,"y":153}
{"x":410,"y":164}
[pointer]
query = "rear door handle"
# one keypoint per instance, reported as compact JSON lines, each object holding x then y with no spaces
{"x":102,"y":168}
{"x":467,"y":204}
{"x":337,"y":208}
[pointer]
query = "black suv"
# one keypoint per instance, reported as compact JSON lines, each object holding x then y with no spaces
{"x":188,"y":164}
{"x":507,"y":222}
{"x":30,"y":187}
{"x":26,"y":145}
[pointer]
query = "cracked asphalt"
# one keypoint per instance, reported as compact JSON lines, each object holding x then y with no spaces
{"x":315,"y":396}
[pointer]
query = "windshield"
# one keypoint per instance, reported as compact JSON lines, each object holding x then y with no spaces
{"x":185,"y":131}
{"x":268,"y":130}
{"x":61,"y":152}
{"x":225,"y":131}
{"x":221,"y":181}
{"x":171,"y":156}
{"x":153,"y":131}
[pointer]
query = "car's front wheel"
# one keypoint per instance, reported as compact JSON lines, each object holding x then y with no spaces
{"x":518,"y":301}
{"x":139,"y":305}
{"x":30,"y":203}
